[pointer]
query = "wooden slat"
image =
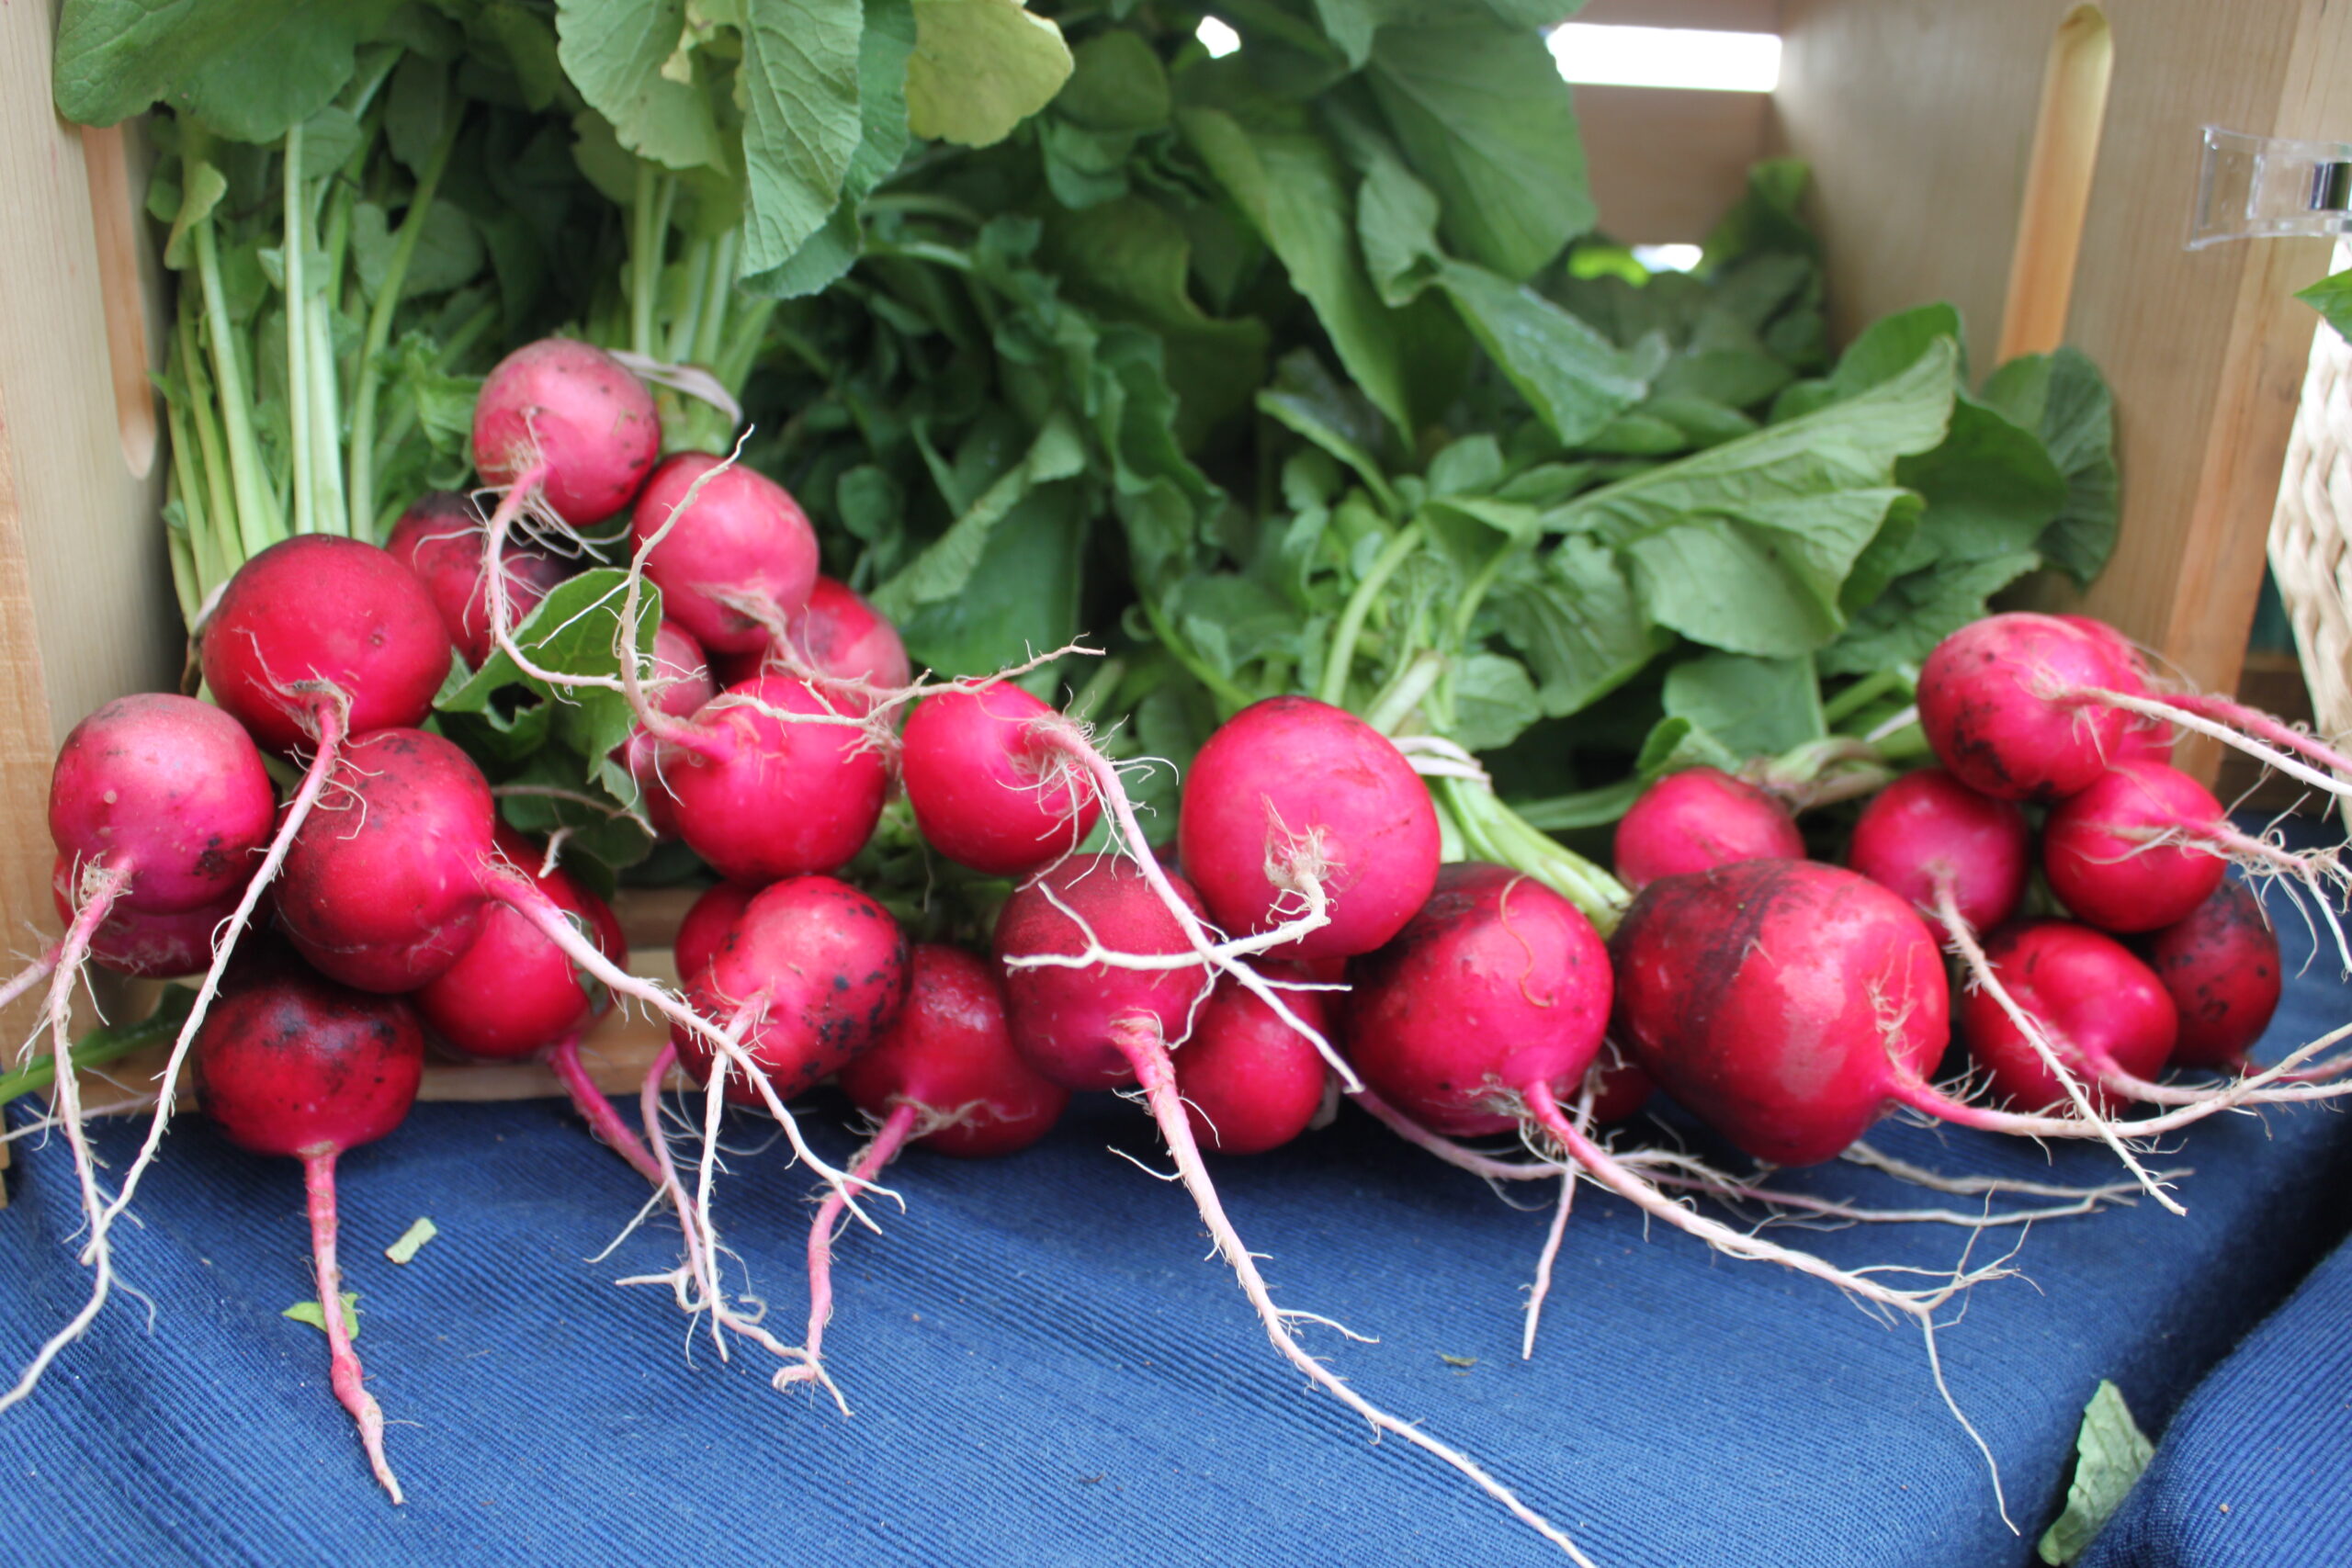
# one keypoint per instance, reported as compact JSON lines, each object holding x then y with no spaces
{"x":1917,"y":116}
{"x":1665,"y":163}
{"x":1726,"y":15}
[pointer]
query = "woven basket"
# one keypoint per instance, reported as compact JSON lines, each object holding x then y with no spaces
{"x":2311,"y":531}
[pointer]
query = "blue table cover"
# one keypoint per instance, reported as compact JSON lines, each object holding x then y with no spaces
{"x":2256,"y":1469}
{"x":1046,"y":1368}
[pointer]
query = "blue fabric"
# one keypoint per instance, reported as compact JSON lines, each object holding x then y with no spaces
{"x":1045,"y":1368}
{"x":2256,"y":1469}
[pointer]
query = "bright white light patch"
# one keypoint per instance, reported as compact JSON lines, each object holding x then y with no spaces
{"x":1668,"y":258}
{"x":1663,"y":57}
{"x":1217,"y":37}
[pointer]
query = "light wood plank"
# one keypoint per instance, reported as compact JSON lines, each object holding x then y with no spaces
{"x":1665,"y":163}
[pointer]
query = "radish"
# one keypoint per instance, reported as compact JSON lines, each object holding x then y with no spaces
{"x":991,"y":781}
{"x":2026,"y":706}
{"x":816,"y":969}
{"x":836,"y":639}
{"x":2145,"y":739}
{"x":1250,"y":1082}
{"x":159,"y":808}
{"x":944,"y":1073}
{"x":1619,"y":1088}
{"x":138,"y":942}
{"x":1699,"y":818}
{"x":2221,"y":967}
{"x":1100,"y":978}
{"x":731,"y":551}
{"x":2145,"y":844}
{"x":513,"y":995}
{"x":576,"y":413}
{"x":440,"y":539}
{"x":1295,"y":808}
{"x":2109,"y":1018}
{"x":296,"y":1065}
{"x":763,"y":782}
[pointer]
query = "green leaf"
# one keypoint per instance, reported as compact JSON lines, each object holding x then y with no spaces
{"x":883,"y":50}
{"x":1574,"y":617}
{"x":1291,"y":187}
{"x":798,"y":86}
{"x":417,"y":109}
{"x":1397,"y":224}
{"x":273,"y":77}
{"x":2063,"y":398}
{"x":205,"y":187}
{"x":614,"y":52}
{"x":2110,"y":1452}
{"x":1990,"y":486}
{"x":448,"y":252}
{"x":575,"y":630}
{"x":311,"y":1313}
{"x":113,"y":57}
{"x":1494,"y":702}
{"x":980,"y":67}
{"x":1574,"y":380}
{"x":1755,"y":707}
{"x":1116,"y":82}
{"x":405,"y":1249}
{"x":945,"y":569}
{"x":1020,"y":597}
{"x":2331,"y":296}
{"x":1487,"y":121}
{"x":1921,"y":609}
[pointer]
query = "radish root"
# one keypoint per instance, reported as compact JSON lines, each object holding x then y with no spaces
{"x":345,"y":1372}
{"x":906,"y":1120}
{"x":1139,"y":1041}
{"x":603,"y":1119}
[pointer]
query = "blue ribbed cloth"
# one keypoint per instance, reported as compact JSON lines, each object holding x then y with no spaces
{"x":1047,"y":1368}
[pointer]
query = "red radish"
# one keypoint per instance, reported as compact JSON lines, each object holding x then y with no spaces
{"x":1101,"y":975}
{"x":2105,"y":1013}
{"x":1619,"y":1089}
{"x":1496,"y":986}
{"x":159,"y":807}
{"x":2032,"y":707}
{"x":680,"y":683}
{"x":944,"y":1075}
{"x":135,"y":941}
{"x":1992,"y":699}
{"x":704,"y":929}
{"x":1295,"y":808}
{"x":578,"y":413}
{"x":767,"y":784}
{"x":1927,"y":826}
{"x":816,"y":969}
{"x":440,"y":539}
{"x":1251,"y":1081}
{"x":2139,"y":847}
{"x":1696,"y":819}
{"x":317,"y":612}
{"x":991,"y":786}
{"x":837,"y":636}
{"x":2144,"y":739}
{"x":736,"y":561}
{"x":293,"y":1065}
{"x":2221,"y":967}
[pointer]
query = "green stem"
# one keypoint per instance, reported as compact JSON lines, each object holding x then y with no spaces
{"x":732,"y":363}
{"x":710,"y":337}
{"x":1860,"y":695}
{"x":188,"y":487}
{"x":1404,"y":694}
{"x":259,"y":521}
{"x":1334,"y":689}
{"x":917,"y":204}
{"x":1492,"y":831}
{"x":644,"y":261}
{"x":293,"y":245}
{"x":380,"y":324}
{"x":105,"y":1044}
{"x":1233,"y":698}
{"x":1097,"y":690}
{"x":695,"y":264}
{"x":228,"y":547}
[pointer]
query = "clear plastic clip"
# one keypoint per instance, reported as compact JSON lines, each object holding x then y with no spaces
{"x":2251,"y":187}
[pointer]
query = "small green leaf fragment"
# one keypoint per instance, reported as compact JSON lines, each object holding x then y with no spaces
{"x":415,"y":1236}
{"x":1457,"y":1360}
{"x":2110,"y":1453}
{"x":308,"y":1312}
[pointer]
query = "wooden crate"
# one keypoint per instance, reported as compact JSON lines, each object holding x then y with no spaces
{"x":1921,"y":119}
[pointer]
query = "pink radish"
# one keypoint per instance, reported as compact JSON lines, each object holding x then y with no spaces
{"x":2107,"y":1014}
{"x":578,"y":413}
{"x":440,"y":538}
{"x":2221,"y":967}
{"x":2144,"y":739}
{"x":944,"y":1075}
{"x":1926,"y":829}
{"x":319,"y":614}
{"x":819,"y":971}
{"x":735,"y":561}
{"x":680,"y":683}
{"x":159,"y":807}
{"x":1619,"y":1089}
{"x":1295,"y":808}
{"x":1250,"y":1082}
{"x":1699,"y":818}
{"x":2141,"y":847}
{"x":704,"y":929}
{"x":293,"y":1065}
{"x":1100,"y":978}
{"x":990,"y":785}
{"x":837,"y":636}
{"x":771,"y":779}
{"x":138,"y":942}
{"x":2032,"y":707}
